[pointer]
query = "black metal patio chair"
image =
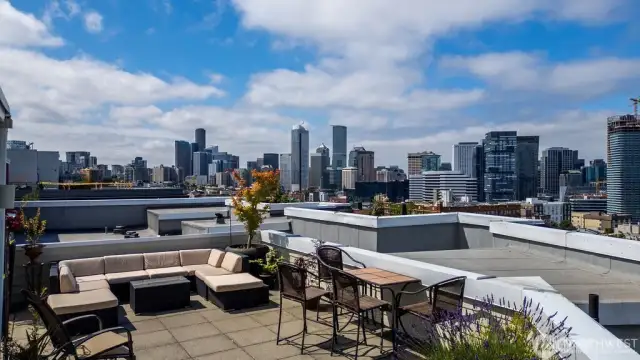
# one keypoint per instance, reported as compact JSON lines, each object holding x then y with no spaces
{"x":102,"y":344}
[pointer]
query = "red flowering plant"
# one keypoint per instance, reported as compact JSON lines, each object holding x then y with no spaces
{"x":12,"y":222}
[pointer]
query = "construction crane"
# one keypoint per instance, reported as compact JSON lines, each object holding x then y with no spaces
{"x":635,"y":102}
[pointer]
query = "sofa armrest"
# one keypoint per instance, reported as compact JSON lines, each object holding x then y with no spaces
{"x":54,"y":280}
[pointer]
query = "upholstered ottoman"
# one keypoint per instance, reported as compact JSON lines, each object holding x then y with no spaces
{"x":236,"y":291}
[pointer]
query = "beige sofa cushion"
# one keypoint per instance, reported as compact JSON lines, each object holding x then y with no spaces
{"x":93,"y":285}
{"x":216,"y":257}
{"x":80,"y":279}
{"x":194,"y":257}
{"x":124,"y":277}
{"x":85,"y":267}
{"x":233,"y":282}
{"x":82,"y":301}
{"x":161,"y":260}
{"x":232,"y":262}
{"x":68,"y":283}
{"x":203,"y":271}
{"x":166,"y":272}
{"x":123,"y":263}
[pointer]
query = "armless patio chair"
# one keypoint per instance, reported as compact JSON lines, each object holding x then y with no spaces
{"x":102,"y":344}
{"x":443,"y":299}
{"x":293,"y":286}
{"x":331,"y":257}
{"x":346,"y":296}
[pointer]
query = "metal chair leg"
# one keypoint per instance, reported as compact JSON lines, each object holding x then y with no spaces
{"x":279,"y":322}
{"x":334,"y":335}
{"x":358,"y":336}
{"x":381,"y":329}
{"x":304,"y":326}
{"x":361,"y":325}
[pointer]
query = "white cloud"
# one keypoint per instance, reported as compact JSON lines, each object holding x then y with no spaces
{"x":22,"y":29}
{"x":93,"y":22}
{"x":530,"y":72}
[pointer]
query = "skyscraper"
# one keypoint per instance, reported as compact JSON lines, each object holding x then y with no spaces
{"x":201,"y":139}
{"x":364,"y":161}
{"x":500,"y":173}
{"x":555,"y":161}
{"x":320,"y":161}
{"x":527,"y":149}
{"x":422,"y":161}
{"x":299,"y":158}
{"x":478,"y":171}
{"x":270,"y":159}
{"x":463,"y":157}
{"x":285,"y":171}
{"x":182,"y":158}
{"x":623,"y":172}
{"x":201,"y":161}
{"x":339,"y":146}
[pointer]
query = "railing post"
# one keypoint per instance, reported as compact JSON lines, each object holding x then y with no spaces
{"x":594,"y":307}
{"x":404,"y":208}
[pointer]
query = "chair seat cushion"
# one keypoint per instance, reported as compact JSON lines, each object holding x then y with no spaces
{"x":423,"y":308}
{"x":233,"y":282}
{"x":108,"y":343}
{"x":168,"y":271}
{"x":124,"y":277}
{"x":202,"y":271}
{"x":90,"y":278}
{"x":83,"y":301}
{"x":93,"y":285}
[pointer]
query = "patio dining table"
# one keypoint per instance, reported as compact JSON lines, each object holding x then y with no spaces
{"x":383,"y":279}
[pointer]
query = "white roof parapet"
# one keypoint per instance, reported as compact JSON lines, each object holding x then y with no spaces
{"x":121,"y":202}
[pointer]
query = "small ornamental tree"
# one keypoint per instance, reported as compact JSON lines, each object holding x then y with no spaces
{"x":248,"y":198}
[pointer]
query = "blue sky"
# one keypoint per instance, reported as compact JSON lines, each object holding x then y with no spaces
{"x":126,"y":78}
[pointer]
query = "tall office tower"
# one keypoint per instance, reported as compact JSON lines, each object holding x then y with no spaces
{"x":349,"y":177}
{"x":17,"y":145}
{"x":270,"y":159}
{"x":554,"y":161}
{"x":500,"y":176}
{"x":623,"y":173}
{"x":527,"y":149}
{"x":320,"y":161}
{"x":339,"y":146}
{"x":422,"y":161}
{"x":93,"y":161}
{"x":463,"y":157}
{"x":201,"y":161}
{"x":595,"y":172}
{"x":285,"y":171}
{"x":201,"y":139}
{"x":478,"y":171}
{"x":299,"y":158}
{"x":182,"y":158}
{"x":260,"y":162}
{"x":79,"y":158}
{"x":252,"y":165}
{"x":364,"y":161}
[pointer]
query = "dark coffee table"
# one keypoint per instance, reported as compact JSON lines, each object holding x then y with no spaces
{"x":162,"y":294}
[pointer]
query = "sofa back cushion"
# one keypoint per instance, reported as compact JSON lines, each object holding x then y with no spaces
{"x":194,"y":257}
{"x":85,"y":267}
{"x":123,"y":263}
{"x":68,"y":283}
{"x":161,"y":260}
{"x":232,"y":262}
{"x":216,"y":257}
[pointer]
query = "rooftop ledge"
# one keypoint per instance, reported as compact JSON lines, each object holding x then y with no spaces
{"x":122,"y":202}
{"x":378,"y":222}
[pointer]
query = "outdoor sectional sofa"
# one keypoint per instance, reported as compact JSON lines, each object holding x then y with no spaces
{"x":97,"y":285}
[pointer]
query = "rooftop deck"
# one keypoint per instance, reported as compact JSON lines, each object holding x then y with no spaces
{"x":204,"y":332}
{"x":573,"y":280}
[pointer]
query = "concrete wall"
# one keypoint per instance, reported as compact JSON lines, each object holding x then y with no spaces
{"x":105,"y":193}
{"x":74,"y":215}
{"x":83,"y":249}
{"x":387,"y":234}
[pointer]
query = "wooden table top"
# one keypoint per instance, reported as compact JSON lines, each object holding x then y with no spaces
{"x":380,"y":277}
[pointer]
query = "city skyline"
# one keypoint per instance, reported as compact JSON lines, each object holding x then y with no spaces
{"x":425,"y":77}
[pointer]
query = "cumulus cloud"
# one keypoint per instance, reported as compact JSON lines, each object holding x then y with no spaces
{"x":20,"y":29}
{"x":93,"y":22}
{"x":530,"y":72}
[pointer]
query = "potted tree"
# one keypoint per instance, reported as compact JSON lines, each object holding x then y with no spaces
{"x":246,"y":207}
{"x":34,"y":228}
{"x":269,"y":268}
